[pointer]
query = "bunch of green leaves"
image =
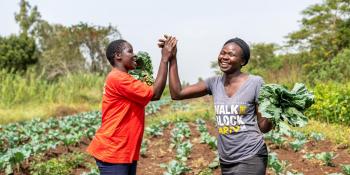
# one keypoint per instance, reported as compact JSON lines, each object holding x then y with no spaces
{"x":309,"y":156}
{"x":208,"y":139}
{"x":143,"y":149}
{"x":183,"y":150}
{"x":297,"y":144}
{"x":326,"y":158}
{"x":154,"y":130}
{"x":201,"y":127}
{"x":144,"y":68}
{"x":279,"y":104}
{"x":278,"y":166}
{"x":276,"y":138}
{"x":175,"y":168}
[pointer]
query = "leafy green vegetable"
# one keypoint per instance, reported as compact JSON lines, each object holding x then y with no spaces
{"x":326,"y":158}
{"x":278,"y":104}
{"x":346,"y":169}
{"x":144,"y":68}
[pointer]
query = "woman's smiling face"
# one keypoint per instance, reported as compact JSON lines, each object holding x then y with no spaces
{"x":230,"y":58}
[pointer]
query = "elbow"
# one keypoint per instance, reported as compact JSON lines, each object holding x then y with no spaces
{"x":175,"y":97}
{"x":156,"y":97}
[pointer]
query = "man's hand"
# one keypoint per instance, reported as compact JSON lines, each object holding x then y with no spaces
{"x":161,"y":44}
{"x":168,"y":46}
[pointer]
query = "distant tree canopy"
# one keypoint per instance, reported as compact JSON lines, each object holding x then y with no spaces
{"x":325,"y":29}
{"x":76,"y":48}
{"x":17,"y":52}
{"x":320,"y":47}
{"x":55,"y":49}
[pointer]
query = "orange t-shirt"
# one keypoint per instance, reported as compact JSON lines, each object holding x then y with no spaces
{"x":118,"y":140}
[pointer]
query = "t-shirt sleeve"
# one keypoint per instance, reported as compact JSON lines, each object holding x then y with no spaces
{"x":259,"y":83}
{"x":209,"y":83}
{"x":135,"y":90}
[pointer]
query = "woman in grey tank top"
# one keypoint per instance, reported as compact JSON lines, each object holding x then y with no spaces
{"x":240,"y":126}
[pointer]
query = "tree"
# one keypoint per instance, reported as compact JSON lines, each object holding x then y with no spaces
{"x":325,"y":29}
{"x":75,"y":48}
{"x":17,"y":52}
{"x":25,"y":20}
{"x":93,"y":41}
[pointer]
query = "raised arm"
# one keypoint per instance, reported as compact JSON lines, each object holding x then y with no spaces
{"x":159,"y":84}
{"x":177,"y":93}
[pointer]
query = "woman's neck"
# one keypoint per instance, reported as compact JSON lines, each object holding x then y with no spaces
{"x":232,"y":77}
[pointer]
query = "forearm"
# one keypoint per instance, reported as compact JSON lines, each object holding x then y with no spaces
{"x":174,"y":80}
{"x":160,"y":81}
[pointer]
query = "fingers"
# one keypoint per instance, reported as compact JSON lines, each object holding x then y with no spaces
{"x":168,"y":41}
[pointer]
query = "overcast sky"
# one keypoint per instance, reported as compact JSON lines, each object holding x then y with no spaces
{"x":200,"y":26}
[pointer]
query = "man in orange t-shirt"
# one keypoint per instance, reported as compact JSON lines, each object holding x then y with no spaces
{"x":116,"y":144}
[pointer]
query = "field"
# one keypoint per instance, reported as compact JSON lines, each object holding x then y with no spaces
{"x":179,"y":139}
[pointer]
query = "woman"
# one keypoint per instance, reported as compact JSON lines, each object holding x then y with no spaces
{"x":116,"y":144}
{"x":241,"y":145}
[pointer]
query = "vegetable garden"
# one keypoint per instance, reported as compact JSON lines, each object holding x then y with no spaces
{"x":184,"y":144}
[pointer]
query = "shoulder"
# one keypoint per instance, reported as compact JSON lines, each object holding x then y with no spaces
{"x":119,"y":77}
{"x":214,"y":78}
{"x":256,"y":79}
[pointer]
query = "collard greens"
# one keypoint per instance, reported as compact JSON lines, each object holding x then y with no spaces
{"x":279,"y":104}
{"x":144,"y":68}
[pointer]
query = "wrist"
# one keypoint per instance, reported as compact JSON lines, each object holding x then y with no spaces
{"x":164,"y":60}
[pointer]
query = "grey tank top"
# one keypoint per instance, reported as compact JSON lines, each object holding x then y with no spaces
{"x":239,"y":135}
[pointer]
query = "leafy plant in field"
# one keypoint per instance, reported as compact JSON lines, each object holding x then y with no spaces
{"x":175,"y":168}
{"x":309,"y":156}
{"x":326,"y":158}
{"x":144,"y":146}
{"x":278,"y":104}
{"x":183,"y":129}
{"x":154,"y":130}
{"x":277,"y":165}
{"x":200,"y":121}
{"x":298,"y":135}
{"x":30,"y":138}
{"x":208,"y":139}
{"x":183,"y":150}
{"x":297,"y":144}
{"x":346,"y":169}
{"x":164,"y":123}
{"x":317,"y":136}
{"x":13,"y":157}
{"x":179,"y":106}
{"x":59,"y":166}
{"x":275,"y":138}
{"x":215,"y":163}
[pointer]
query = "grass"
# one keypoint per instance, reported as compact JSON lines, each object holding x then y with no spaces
{"x":32,"y":96}
{"x":336,"y":133}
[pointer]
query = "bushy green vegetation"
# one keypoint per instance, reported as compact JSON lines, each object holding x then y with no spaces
{"x":332,"y":103}
{"x":62,"y":165}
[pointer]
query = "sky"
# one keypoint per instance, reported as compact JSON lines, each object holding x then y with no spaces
{"x":201,"y":27}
